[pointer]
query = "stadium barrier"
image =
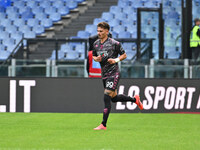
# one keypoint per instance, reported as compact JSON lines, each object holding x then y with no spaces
{"x":84,"y":95}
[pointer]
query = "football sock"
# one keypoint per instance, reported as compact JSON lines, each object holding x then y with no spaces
{"x":106,"y":112}
{"x":123,"y":98}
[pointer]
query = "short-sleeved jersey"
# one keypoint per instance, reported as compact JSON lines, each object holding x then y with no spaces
{"x":109,"y":49}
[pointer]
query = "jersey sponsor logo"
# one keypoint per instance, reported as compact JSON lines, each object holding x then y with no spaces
{"x":103,"y":53}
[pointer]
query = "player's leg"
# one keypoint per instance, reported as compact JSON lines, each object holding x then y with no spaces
{"x":123,"y":98}
{"x":107,"y":103}
{"x":107,"y":109}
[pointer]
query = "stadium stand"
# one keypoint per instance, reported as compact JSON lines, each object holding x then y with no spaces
{"x":27,"y":19}
{"x":30,"y":19}
{"x":81,"y":21}
{"x":123,"y":21}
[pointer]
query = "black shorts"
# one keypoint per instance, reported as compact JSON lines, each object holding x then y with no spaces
{"x":111,"y":82}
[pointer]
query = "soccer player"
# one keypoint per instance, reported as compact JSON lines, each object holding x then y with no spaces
{"x":106,"y":51}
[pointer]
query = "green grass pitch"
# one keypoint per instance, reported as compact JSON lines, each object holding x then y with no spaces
{"x":66,"y":131}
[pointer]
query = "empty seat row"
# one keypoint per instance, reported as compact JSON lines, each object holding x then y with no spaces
{"x":123,"y":20}
{"x":28,"y":18}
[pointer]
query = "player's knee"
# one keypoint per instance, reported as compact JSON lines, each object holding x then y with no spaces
{"x":114,"y":99}
{"x":109,"y":93}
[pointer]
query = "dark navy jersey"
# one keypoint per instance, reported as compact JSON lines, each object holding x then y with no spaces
{"x":109,"y":49}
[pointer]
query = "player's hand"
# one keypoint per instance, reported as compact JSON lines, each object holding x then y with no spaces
{"x":98,"y":58}
{"x":111,"y":61}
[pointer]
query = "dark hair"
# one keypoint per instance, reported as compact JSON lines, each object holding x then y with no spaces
{"x":104,"y":25}
{"x":196,"y":20}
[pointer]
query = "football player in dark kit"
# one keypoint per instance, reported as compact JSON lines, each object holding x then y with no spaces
{"x":106,"y":51}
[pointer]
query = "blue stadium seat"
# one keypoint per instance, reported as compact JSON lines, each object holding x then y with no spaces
{"x":66,"y":47}
{"x":131,"y":28}
{"x":128,"y":22}
{"x":47,"y":23}
{"x":41,"y":16}
{"x":58,"y":3}
{"x":19,"y":22}
{"x":124,"y":35}
{"x":23,"y":9}
{"x":32,"y":3}
{"x":50,"y":10}
{"x":157,"y":2}
{"x":6,"y":22}
{"x":9,"y":43}
{"x":12,"y":9}
{"x":4,"y":35}
{"x":72,"y":55}
{"x":172,"y":15}
{"x":150,"y":4}
{"x":2,"y":28}
{"x":114,"y":22}
{"x":118,"y":29}
{"x":129,"y":10}
{"x":19,"y":3}
{"x":17,"y":36}
{"x":136,"y":4}
{"x":134,"y":35}
{"x":27,"y":15}
{"x":123,"y":3}
{"x":38,"y":9}
{"x":166,"y":10}
{"x":63,"y":10}
{"x":80,"y":48}
{"x":33,"y":22}
{"x":38,"y":29}
{"x":4,"y":54}
{"x":28,"y":18}
{"x":97,"y":20}
{"x":24,"y":28}
{"x":11,"y":28}
{"x":2,"y":15}
{"x":2,"y":47}
{"x":72,"y":4}
{"x":92,"y":29}
{"x":83,"y":34}
{"x":114,"y":35}
{"x":61,"y":55}
{"x":55,"y":16}
{"x":107,"y":16}
{"x":115,"y":9}
{"x":120,"y":16}
{"x":29,"y":34}
{"x":45,"y":3}
{"x":81,"y":56}
{"x":2,"y":9}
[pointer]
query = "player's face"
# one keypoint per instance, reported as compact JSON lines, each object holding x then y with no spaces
{"x":102,"y":33}
{"x":198,"y":23}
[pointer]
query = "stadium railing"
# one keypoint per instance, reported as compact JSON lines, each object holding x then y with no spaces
{"x":132,"y":68}
{"x":138,"y":69}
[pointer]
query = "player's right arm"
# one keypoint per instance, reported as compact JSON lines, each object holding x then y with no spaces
{"x":96,"y":57}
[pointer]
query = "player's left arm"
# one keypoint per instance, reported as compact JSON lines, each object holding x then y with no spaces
{"x":116,"y":60}
{"x":121,"y":57}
